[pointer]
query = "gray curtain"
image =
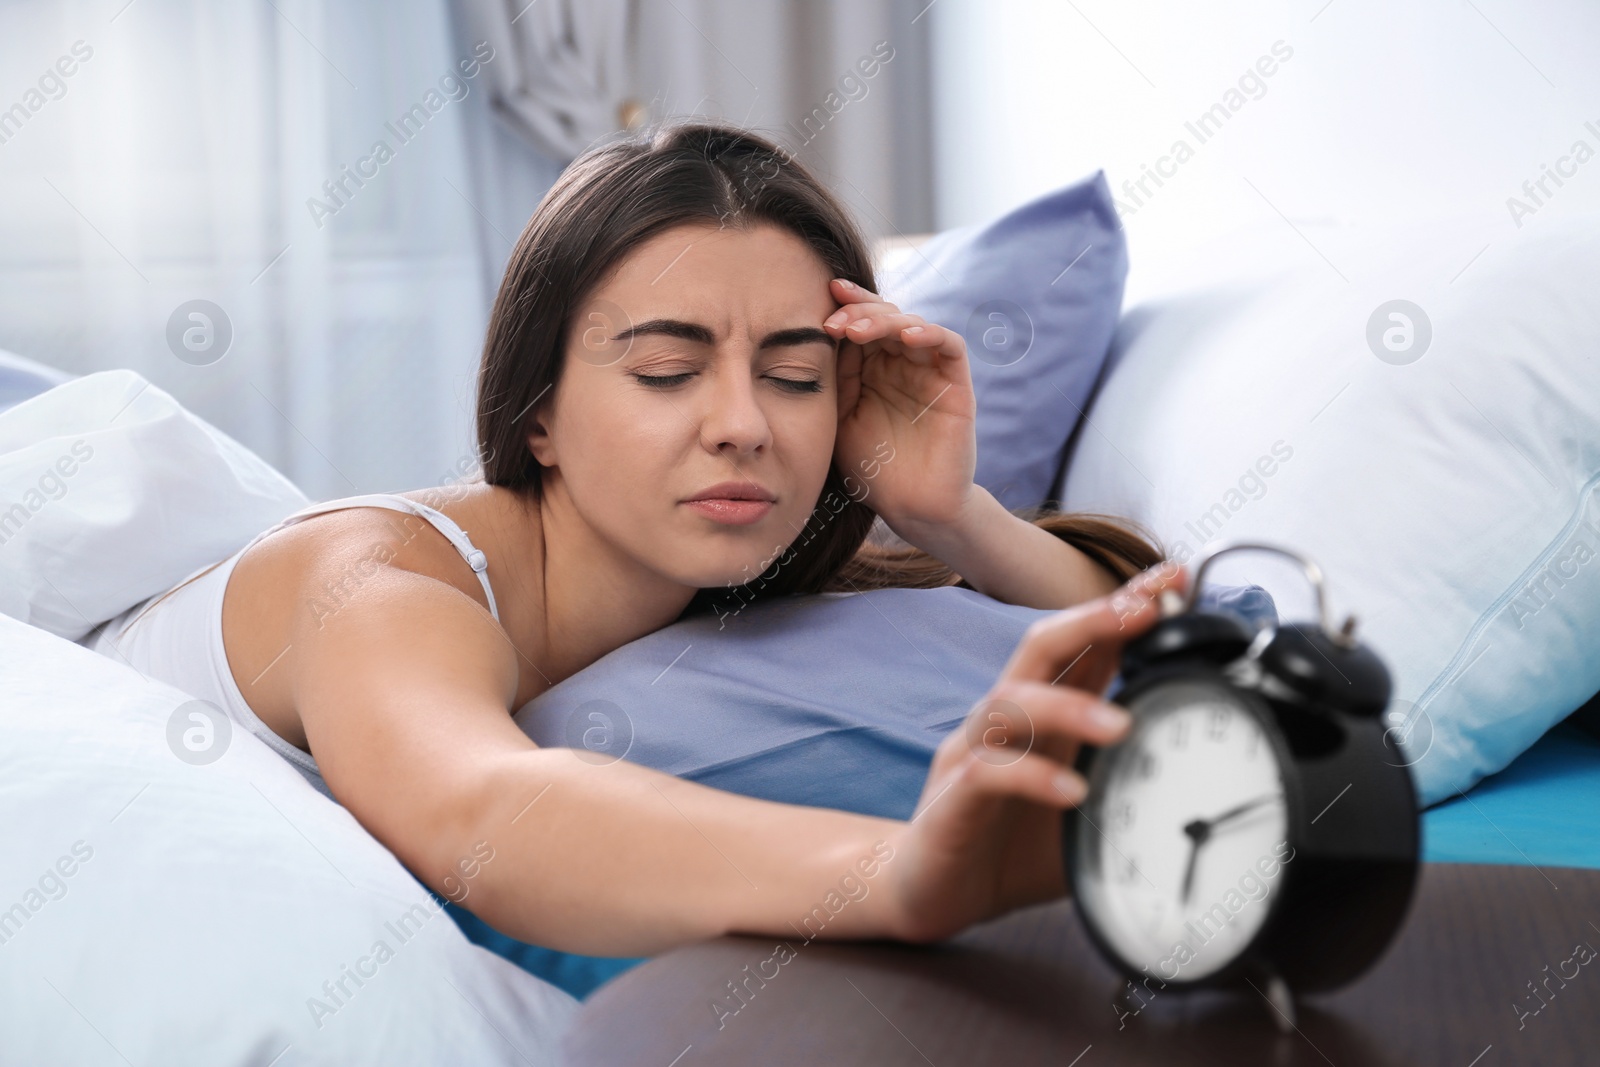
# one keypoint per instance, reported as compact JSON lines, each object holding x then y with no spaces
{"x":565,"y":71}
{"x":842,"y":84}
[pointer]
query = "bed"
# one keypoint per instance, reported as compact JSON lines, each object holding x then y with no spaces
{"x":222,"y":912}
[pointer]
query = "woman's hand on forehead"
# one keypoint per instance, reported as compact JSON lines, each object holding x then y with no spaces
{"x":907,"y":434}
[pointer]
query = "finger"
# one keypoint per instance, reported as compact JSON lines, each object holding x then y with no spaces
{"x":1168,"y":575}
{"x":880,"y":324}
{"x":1019,"y":718}
{"x":855,"y":309}
{"x":1034,"y":777}
{"x":846,"y":291}
{"x":840,"y":322}
{"x":946,"y":342}
{"x":1056,"y":641}
{"x":1051,"y":712}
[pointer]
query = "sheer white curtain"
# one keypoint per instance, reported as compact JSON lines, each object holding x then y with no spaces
{"x":229,"y":152}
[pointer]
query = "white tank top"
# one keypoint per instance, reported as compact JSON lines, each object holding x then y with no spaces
{"x":176,"y":637}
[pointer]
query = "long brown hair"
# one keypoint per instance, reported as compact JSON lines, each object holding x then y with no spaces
{"x":1115,"y":544}
{"x":618,"y":195}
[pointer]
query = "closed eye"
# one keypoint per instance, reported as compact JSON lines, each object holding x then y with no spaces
{"x":799,"y":385}
{"x":662,"y":381}
{"x":792,"y":385}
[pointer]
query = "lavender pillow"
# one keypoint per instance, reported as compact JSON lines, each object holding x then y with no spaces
{"x":835,"y":700}
{"x":1037,"y":294}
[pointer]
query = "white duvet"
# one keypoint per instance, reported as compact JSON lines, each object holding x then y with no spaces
{"x":164,"y":910}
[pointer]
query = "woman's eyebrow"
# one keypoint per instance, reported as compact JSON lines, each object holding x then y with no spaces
{"x":691,"y":331}
{"x":796,"y":335}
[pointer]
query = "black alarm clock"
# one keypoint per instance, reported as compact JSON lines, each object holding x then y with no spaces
{"x":1248,"y":827}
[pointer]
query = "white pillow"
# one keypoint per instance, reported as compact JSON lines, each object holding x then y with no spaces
{"x":111,"y":492}
{"x":1453,"y":499}
{"x":190,"y":913}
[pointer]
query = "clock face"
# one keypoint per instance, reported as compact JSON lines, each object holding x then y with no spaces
{"x":1180,"y":848}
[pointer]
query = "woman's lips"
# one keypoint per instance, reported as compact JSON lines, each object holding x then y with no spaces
{"x":731,"y":512}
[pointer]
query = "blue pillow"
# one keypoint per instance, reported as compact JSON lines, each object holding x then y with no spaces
{"x":1037,"y":294}
{"x":835,"y":700}
{"x":793,"y":698}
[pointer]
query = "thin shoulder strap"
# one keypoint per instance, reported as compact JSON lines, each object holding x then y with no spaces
{"x":440,"y":521}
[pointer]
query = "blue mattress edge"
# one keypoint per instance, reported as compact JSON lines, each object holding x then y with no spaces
{"x":1542,"y":810}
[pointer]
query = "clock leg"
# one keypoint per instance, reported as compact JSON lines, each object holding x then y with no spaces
{"x":1282,"y":1002}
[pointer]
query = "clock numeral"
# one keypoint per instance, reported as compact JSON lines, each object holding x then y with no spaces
{"x":1127,"y":869}
{"x":1119,"y":816}
{"x":1217,"y":724}
{"x":1180,"y":733}
{"x":1144,"y":766}
{"x":1255,"y":744}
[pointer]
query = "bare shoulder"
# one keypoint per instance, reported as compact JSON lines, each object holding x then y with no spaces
{"x":370,"y":581}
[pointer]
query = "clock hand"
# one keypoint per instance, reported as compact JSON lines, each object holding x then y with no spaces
{"x":1235,"y":812}
{"x":1198,"y":831}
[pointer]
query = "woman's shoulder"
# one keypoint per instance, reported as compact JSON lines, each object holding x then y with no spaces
{"x":329,"y":558}
{"x":321,"y":565}
{"x":352,"y":570}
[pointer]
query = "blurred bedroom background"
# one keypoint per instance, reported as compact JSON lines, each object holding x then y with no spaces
{"x":159,"y":152}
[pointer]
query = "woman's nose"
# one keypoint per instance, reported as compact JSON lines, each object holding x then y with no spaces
{"x":735,"y":418}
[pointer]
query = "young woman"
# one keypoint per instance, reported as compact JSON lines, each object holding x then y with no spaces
{"x":686,"y":368}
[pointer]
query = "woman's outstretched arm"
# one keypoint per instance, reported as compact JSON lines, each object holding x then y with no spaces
{"x":405,"y":697}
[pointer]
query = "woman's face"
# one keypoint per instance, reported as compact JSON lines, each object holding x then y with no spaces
{"x":700,"y":362}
